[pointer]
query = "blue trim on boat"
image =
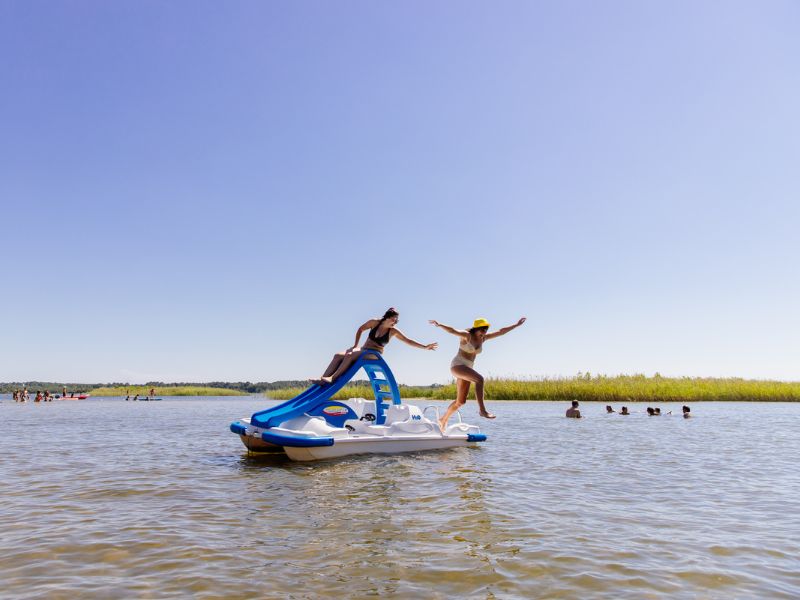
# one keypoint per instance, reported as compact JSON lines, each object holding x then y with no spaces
{"x":238,"y":428}
{"x":295,"y":441}
{"x":476,"y":437}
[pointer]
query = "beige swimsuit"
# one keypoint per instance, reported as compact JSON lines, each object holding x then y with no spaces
{"x":459,"y":359}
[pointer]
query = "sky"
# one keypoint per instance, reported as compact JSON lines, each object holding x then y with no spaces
{"x":200,"y":191}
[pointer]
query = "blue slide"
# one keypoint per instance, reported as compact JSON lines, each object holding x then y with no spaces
{"x":384,"y":387}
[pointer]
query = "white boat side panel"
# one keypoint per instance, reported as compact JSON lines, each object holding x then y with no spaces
{"x":385,"y":446}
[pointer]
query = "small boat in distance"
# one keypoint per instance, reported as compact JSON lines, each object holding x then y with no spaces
{"x":74,"y":396}
{"x":312,"y":426}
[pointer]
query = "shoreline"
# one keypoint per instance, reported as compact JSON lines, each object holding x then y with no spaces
{"x":584,"y":388}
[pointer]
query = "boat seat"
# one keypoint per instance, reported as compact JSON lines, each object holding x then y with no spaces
{"x":358,"y":426}
{"x":377,"y":430}
{"x":316,"y":425}
{"x":403,"y":412}
{"x":361,"y":406}
{"x":413,"y":427}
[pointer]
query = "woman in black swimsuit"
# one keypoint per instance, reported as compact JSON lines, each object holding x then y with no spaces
{"x":380,"y":332}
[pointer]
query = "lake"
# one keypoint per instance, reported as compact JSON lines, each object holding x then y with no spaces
{"x":105,"y":498}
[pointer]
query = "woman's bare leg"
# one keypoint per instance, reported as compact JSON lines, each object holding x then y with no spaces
{"x":464,"y":372}
{"x":335,"y":362}
{"x":462,"y":389}
{"x":346,"y":362}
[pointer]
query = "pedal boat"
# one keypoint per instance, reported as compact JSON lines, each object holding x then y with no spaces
{"x":311,"y":426}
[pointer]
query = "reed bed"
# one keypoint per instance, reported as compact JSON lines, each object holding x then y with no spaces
{"x":178,"y":390}
{"x":599,"y":388}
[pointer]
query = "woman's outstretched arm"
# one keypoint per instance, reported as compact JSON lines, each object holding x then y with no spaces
{"x":365,"y":327}
{"x":459,"y":332}
{"x":505,"y":330}
{"x":415,"y":343}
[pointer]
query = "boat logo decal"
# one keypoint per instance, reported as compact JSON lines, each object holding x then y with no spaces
{"x":335,"y":411}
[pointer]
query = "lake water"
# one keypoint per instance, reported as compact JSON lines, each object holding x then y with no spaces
{"x":103,"y":499}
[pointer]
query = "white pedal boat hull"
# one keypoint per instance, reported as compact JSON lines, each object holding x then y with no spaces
{"x":308,"y":438}
{"x":348,"y":447}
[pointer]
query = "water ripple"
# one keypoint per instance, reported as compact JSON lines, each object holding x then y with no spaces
{"x":104,"y":498}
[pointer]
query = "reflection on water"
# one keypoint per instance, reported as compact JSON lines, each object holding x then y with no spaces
{"x":103,"y":498}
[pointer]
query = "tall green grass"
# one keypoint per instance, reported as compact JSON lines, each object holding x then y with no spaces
{"x":178,"y":390}
{"x":599,"y":388}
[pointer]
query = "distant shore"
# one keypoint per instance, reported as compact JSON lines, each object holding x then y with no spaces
{"x":599,"y":388}
{"x":584,"y":387}
{"x":186,"y":390}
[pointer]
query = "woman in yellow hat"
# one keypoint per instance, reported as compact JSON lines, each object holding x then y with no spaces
{"x":461,"y":367}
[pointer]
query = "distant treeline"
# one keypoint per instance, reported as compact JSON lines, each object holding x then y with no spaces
{"x":239,"y":386}
{"x":244,"y":387}
{"x":602,"y":388}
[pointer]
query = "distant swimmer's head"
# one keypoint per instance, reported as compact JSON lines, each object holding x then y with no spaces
{"x":391,"y":316}
{"x":624,"y":410}
{"x":658,"y":411}
{"x":479,"y":328}
{"x":650,"y":411}
{"x":609,"y":409}
{"x":575,"y":404}
{"x":686,"y":409}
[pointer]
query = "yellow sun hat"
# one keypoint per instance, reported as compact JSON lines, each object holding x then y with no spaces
{"x":480,"y":323}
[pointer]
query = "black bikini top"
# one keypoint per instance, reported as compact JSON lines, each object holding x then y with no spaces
{"x":384,"y":339}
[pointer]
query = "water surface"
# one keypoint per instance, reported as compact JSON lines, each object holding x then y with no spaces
{"x":103,"y":498}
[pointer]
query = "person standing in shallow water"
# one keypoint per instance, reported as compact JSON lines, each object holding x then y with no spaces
{"x":573,"y":412}
{"x":461,"y":367}
{"x":380,"y":332}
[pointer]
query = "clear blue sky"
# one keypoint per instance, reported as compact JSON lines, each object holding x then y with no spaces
{"x":226,"y":190}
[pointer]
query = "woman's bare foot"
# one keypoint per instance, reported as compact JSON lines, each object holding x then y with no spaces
{"x":325,"y":380}
{"x":442,"y":425}
{"x":487,"y":415}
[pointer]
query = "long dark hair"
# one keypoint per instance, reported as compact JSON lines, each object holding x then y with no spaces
{"x":390,"y":312}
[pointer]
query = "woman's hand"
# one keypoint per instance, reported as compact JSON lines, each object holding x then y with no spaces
{"x":434,"y":323}
{"x":521,"y":321}
{"x":432,"y":346}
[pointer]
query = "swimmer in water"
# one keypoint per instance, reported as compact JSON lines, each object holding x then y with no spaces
{"x":573,"y":412}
